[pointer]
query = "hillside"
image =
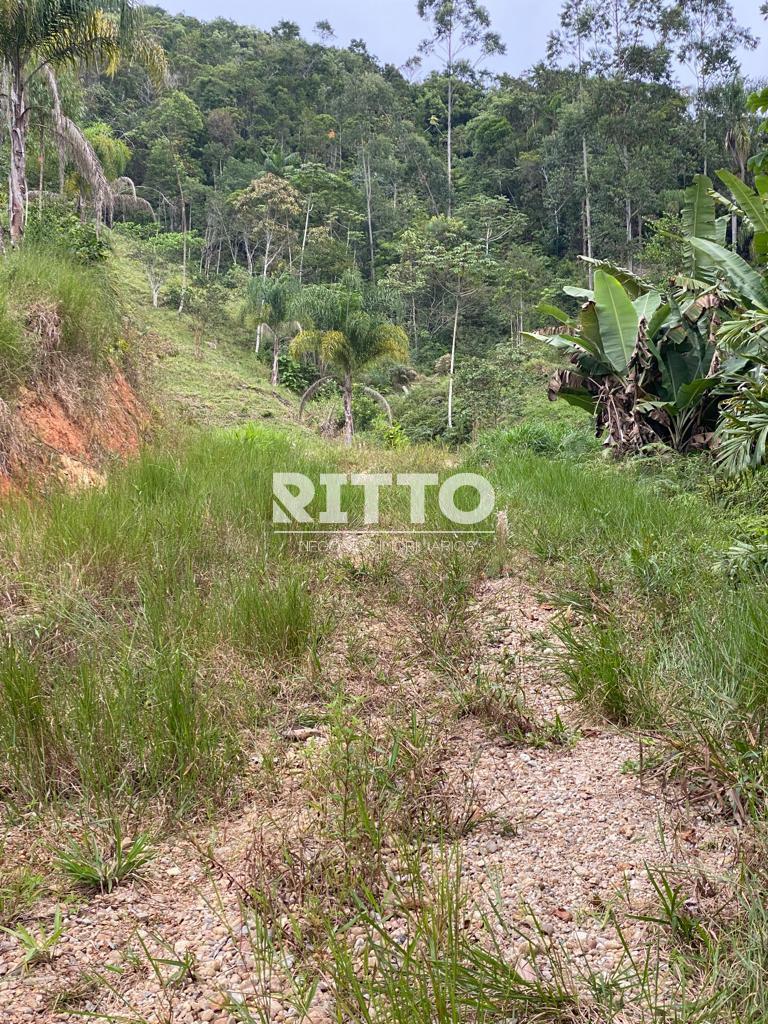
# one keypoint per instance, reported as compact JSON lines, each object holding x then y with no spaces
{"x":383,"y":523}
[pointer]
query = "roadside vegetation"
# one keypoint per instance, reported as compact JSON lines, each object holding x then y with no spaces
{"x":248,"y":777}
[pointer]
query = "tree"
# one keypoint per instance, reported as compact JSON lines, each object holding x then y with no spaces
{"x":708,"y":39}
{"x":453,"y":265}
{"x":352,"y":328}
{"x":266,"y":212}
{"x":460,"y":32}
{"x":324,"y":30}
{"x":38,"y":37}
{"x":160,"y":255}
{"x":273,"y":301}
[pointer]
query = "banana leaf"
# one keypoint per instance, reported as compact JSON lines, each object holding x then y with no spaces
{"x":752,"y":205}
{"x":699,"y":222}
{"x":618,"y":321}
{"x":740,"y":275}
{"x":646,"y":305}
{"x":554,"y":311}
{"x":633,"y":285}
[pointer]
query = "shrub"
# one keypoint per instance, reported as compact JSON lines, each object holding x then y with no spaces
{"x":294,"y":375}
{"x":55,"y":226}
{"x":541,"y":437}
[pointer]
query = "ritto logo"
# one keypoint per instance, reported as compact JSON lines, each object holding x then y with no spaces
{"x":293,"y":493}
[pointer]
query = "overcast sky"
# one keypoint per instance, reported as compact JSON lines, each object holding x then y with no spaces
{"x":392,"y":29}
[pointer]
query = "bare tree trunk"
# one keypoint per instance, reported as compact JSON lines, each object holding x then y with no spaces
{"x":450,"y":146}
{"x":17,"y":177}
{"x":368,"y":207}
{"x":184,"y":243}
{"x":41,"y":176}
{"x":628,"y":220}
{"x":266,"y":256}
{"x":275,"y":357}
{"x":453,"y":356}
{"x":587,"y":205}
{"x":349,"y":427}
{"x":304,"y":237}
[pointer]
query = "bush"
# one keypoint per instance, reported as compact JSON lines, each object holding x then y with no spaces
{"x":294,"y":375}
{"x":57,"y":227}
{"x":540,"y":437}
{"x":365,"y":411}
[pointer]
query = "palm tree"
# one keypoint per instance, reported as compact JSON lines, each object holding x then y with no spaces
{"x":39,"y":37}
{"x":273,"y":300}
{"x":352,"y":329}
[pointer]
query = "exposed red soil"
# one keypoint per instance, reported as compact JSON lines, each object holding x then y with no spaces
{"x":70,"y":437}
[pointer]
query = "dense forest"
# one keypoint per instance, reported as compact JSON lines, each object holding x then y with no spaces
{"x":468,"y":196}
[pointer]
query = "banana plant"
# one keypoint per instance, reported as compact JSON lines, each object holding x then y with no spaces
{"x":642,"y":362}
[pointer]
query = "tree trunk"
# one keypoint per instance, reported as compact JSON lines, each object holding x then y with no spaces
{"x":587,"y":206}
{"x":450,"y":142}
{"x":304,"y":237}
{"x":366,"y":162}
{"x":41,"y":177}
{"x":17,"y":177}
{"x":453,"y":358}
{"x":628,"y":220}
{"x":184,"y":252}
{"x":275,"y":357}
{"x":349,"y":427}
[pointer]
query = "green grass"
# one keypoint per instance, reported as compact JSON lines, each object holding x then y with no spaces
{"x":103,"y":858}
{"x":659,"y":634}
{"x":19,"y":890}
{"x":128,"y":601}
{"x":51,"y":292}
{"x":209,"y":375}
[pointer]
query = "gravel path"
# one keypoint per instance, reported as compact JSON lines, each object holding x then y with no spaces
{"x":565,"y":836}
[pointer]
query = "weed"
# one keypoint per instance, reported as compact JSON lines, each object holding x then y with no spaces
{"x":498,"y":704}
{"x":19,"y":891}
{"x":105,"y":859}
{"x":38,"y":947}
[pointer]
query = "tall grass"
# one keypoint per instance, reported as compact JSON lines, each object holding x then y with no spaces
{"x":15,"y":355}
{"x":83,"y":298}
{"x":126,"y":602}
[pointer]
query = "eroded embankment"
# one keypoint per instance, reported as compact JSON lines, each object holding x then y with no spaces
{"x":68,"y":430}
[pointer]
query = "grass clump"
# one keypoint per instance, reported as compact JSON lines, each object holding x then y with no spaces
{"x":19,"y":891}
{"x":39,"y":947}
{"x":15,"y":354}
{"x":114,"y":679}
{"x":105,"y":858}
{"x":276,"y":620}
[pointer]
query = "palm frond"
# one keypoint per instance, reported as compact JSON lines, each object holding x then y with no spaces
{"x":305,"y":343}
{"x":744,"y":433}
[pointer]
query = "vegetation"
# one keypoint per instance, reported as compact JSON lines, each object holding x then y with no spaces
{"x":291,"y":231}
